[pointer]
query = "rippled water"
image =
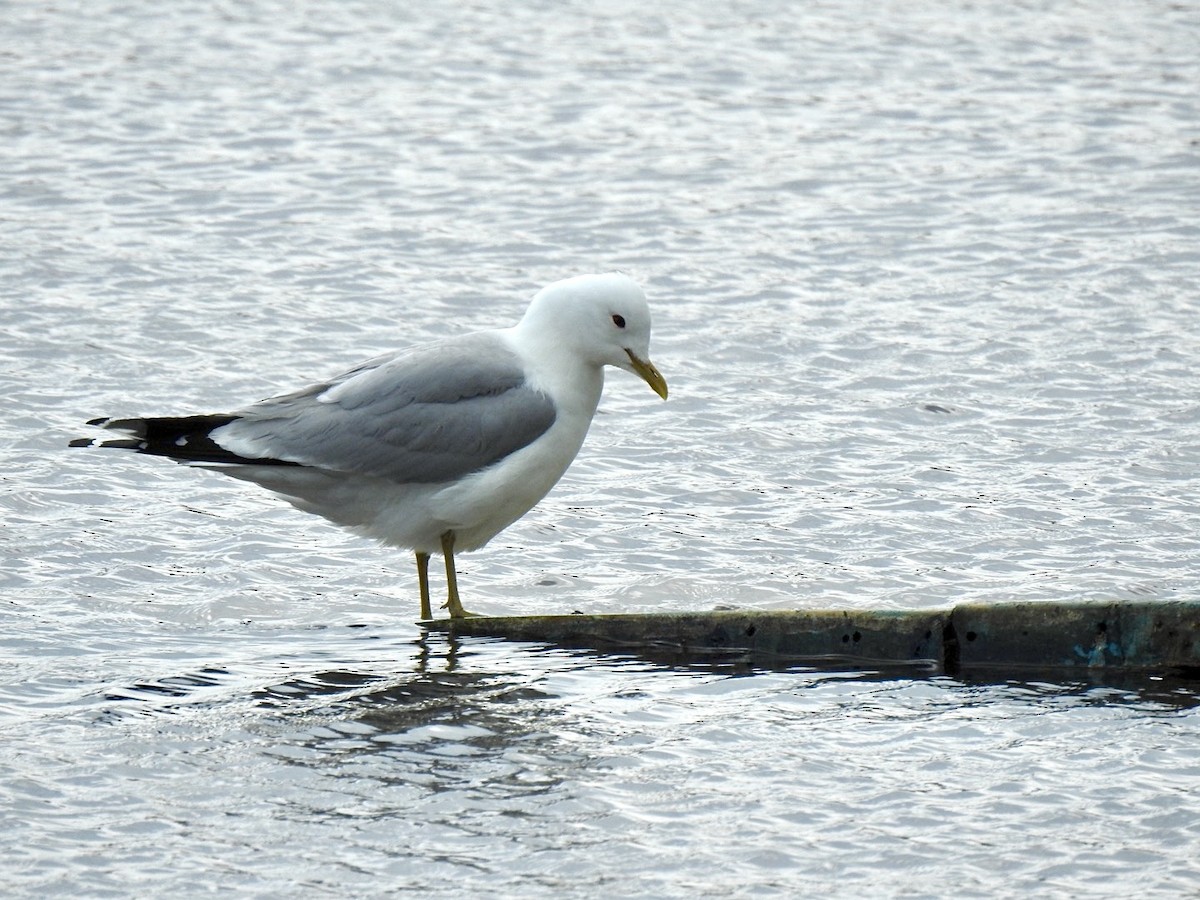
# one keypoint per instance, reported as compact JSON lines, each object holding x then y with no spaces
{"x":925,"y":289}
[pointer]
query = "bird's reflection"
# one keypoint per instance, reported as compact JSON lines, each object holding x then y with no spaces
{"x":437,"y":701}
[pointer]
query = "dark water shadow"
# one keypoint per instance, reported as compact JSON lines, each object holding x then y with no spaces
{"x":1092,"y":686}
{"x":431,"y":684}
{"x":1173,"y":688}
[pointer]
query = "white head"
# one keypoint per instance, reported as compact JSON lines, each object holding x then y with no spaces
{"x":602,"y":319}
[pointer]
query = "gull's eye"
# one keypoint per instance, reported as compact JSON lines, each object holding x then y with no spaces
{"x":619,"y":320}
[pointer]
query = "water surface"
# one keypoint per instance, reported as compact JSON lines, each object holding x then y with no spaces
{"x":925,"y":292}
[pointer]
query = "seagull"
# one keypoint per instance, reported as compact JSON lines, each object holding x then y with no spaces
{"x":436,"y":447}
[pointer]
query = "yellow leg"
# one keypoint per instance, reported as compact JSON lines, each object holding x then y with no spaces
{"x":453,"y":604}
{"x":423,"y":579}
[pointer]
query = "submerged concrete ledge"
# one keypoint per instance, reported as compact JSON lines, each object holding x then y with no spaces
{"x":1123,"y":636}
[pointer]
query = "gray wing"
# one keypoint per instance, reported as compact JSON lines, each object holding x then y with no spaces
{"x":428,"y":415}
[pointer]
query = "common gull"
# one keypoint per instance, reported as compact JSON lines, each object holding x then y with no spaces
{"x":436,"y":447}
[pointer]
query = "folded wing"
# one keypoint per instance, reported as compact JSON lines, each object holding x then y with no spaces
{"x":424,"y":416}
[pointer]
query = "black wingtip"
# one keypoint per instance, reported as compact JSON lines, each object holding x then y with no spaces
{"x":121,"y":444}
{"x":185,"y":439}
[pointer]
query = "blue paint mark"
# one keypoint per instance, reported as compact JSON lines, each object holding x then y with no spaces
{"x":1095,"y":656}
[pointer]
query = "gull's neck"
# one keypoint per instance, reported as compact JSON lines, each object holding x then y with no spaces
{"x":573,"y":383}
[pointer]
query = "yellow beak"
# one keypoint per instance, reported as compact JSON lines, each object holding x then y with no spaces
{"x":649,"y":374}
